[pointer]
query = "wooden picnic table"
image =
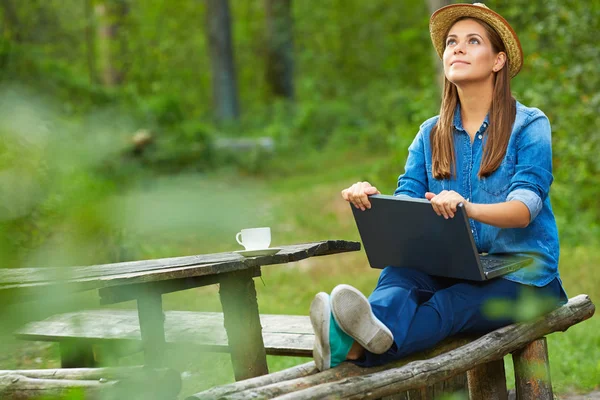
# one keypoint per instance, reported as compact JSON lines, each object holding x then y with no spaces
{"x":145,"y":281}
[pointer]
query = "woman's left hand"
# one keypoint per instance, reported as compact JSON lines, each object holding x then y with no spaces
{"x":446,"y":201}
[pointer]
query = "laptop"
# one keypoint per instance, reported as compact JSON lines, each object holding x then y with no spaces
{"x":406,"y":232}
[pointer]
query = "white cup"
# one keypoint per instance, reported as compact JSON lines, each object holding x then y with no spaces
{"x":254,"y":238}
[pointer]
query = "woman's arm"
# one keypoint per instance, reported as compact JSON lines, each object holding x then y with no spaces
{"x":413,"y":182}
{"x":510,"y":214}
{"x":529,"y":185}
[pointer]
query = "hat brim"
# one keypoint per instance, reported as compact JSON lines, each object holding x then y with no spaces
{"x":441,"y":21}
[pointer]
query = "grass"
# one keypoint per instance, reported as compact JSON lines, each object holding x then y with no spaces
{"x":301,"y":208}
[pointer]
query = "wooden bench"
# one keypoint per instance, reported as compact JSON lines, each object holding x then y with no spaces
{"x":78,"y":332}
{"x":475,"y":363}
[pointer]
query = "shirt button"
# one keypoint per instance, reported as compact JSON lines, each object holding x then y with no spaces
{"x":472,"y":231}
{"x":480,"y":136}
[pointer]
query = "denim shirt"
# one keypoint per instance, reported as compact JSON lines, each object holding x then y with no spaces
{"x":525,"y":175}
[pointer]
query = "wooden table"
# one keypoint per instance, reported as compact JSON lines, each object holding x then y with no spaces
{"x":146,"y":281}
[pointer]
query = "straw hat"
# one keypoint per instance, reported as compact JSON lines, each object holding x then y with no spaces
{"x":442,"y":20}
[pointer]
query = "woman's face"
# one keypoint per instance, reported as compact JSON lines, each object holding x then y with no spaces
{"x":469,"y":56}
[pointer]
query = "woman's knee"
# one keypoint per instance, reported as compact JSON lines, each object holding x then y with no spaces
{"x":404,"y":277}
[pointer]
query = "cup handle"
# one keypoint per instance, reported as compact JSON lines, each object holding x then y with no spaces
{"x":237,"y":237}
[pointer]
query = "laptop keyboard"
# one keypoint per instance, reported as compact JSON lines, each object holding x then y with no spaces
{"x":490,"y":264}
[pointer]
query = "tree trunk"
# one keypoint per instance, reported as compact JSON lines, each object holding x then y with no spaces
{"x":111,"y":46}
{"x":218,"y":27}
{"x":11,"y":20}
{"x":280,"y":50}
{"x":90,"y":42}
{"x":433,"y":6}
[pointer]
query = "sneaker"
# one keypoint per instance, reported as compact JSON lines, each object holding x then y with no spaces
{"x":354,"y":315}
{"x":331,"y":343}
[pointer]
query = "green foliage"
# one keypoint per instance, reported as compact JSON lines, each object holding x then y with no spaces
{"x":525,"y":308}
{"x":182,"y":147}
{"x":52,"y":182}
{"x":364,"y":79}
{"x":560,"y":77}
{"x":75,"y":190}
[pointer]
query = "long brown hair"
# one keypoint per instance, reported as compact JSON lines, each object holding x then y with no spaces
{"x":502,"y":115}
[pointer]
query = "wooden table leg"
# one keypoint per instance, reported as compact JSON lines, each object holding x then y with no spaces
{"x":242,"y":323}
{"x":74,"y":354}
{"x":152,"y":328}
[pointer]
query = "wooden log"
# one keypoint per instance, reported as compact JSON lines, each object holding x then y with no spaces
{"x":488,"y":381}
{"x":424,"y":393}
{"x":20,"y":387}
{"x":104,"y":383}
{"x":399,"y":396}
{"x":442,"y":389}
{"x":242,"y":323}
{"x":114,"y":373}
{"x":305,"y":376}
{"x":532,"y":371}
{"x":490,"y":347}
{"x":457,"y":383}
{"x":288,"y":374}
{"x":149,"y":383}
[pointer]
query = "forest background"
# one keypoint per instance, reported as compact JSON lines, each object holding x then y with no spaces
{"x":135,"y":129}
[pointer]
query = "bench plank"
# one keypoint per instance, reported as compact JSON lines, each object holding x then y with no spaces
{"x":290,"y":335}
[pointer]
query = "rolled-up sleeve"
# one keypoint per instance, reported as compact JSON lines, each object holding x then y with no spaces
{"x":413,"y":182}
{"x":533,"y":169}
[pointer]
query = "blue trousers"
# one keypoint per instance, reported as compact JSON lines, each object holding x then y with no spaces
{"x":422,"y":310}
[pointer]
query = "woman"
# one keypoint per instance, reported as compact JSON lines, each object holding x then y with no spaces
{"x":484,"y":150}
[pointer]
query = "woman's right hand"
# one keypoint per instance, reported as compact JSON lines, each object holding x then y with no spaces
{"x":358,"y":193}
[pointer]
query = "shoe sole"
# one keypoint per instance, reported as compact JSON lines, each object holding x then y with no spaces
{"x":353,"y":313}
{"x":320,"y":314}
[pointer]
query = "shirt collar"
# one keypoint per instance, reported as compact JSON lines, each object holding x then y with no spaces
{"x":458,"y":120}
